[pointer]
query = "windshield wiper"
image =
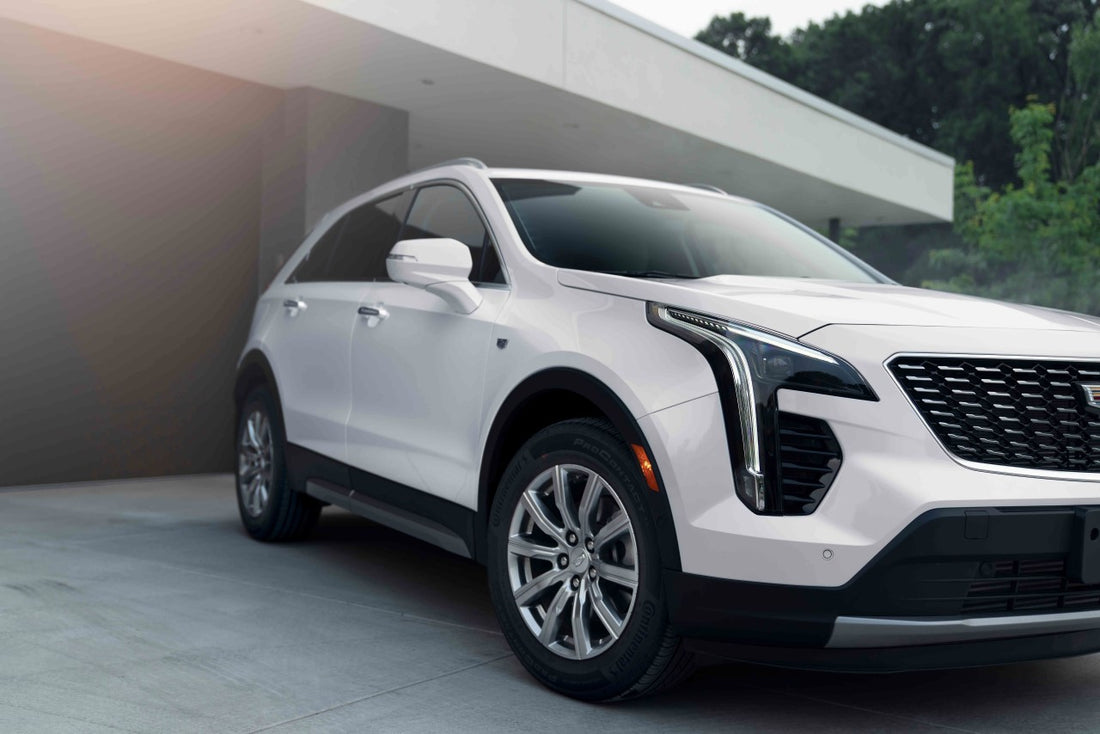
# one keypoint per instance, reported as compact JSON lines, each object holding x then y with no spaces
{"x":647,"y":274}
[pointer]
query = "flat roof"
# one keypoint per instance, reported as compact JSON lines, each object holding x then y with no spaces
{"x":571,"y":84}
{"x":737,"y":66}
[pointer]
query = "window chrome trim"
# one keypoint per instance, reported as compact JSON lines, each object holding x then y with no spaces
{"x":1014,"y":471}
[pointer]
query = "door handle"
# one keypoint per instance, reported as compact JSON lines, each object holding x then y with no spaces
{"x":294,"y":303}
{"x":379,"y":312}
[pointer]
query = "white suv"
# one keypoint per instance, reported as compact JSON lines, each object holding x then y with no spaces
{"x":672,"y":421}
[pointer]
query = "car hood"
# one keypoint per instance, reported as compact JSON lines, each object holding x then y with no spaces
{"x":796,"y":306}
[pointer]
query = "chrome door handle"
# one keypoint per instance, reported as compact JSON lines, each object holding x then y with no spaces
{"x":378,"y":312}
{"x":294,"y":303}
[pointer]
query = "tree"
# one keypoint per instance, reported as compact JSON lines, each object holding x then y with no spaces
{"x":750,"y":40}
{"x":942,"y":72}
{"x":1035,"y":242}
{"x":1011,"y":87}
{"x":1079,"y":141}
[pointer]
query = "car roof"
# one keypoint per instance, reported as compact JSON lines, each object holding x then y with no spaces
{"x":466,"y":166}
{"x":588,"y":177}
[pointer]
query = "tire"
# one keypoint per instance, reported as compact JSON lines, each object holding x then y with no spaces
{"x":270,"y":510}
{"x":528,"y":582}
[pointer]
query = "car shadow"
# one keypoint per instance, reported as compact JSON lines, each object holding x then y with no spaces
{"x":419,"y":576}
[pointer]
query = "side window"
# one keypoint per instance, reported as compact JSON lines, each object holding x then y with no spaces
{"x":355,"y":248}
{"x":444,"y":211}
{"x":315,"y":264}
{"x":367,"y":239}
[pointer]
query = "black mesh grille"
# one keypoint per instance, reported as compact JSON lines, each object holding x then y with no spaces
{"x":1022,"y":413}
{"x":1028,"y":585}
{"x":809,"y":457}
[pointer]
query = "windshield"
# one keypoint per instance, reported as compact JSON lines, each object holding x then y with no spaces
{"x":653,"y":232}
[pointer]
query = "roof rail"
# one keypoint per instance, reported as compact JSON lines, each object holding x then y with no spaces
{"x":455,"y":162}
{"x":707,"y":187}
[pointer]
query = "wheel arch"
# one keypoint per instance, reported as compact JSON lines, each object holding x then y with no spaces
{"x":547,"y":397}
{"x":253,"y":370}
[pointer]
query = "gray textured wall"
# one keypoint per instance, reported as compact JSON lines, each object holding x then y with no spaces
{"x":134,"y":195}
{"x":320,"y":150}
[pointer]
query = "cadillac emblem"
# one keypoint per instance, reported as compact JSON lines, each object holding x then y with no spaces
{"x":1092,"y":396}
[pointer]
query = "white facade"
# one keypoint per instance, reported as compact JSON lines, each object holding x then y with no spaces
{"x":570,"y":84}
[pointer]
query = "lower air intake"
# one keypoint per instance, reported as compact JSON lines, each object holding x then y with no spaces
{"x":809,"y":458}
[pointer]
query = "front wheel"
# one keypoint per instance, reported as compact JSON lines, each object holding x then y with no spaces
{"x":574,"y":568}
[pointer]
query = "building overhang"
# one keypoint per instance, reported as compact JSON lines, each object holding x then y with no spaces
{"x":571,"y":84}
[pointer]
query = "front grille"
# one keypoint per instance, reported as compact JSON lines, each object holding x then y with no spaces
{"x":809,"y":457}
{"x":1028,"y":585}
{"x":1019,"y":413}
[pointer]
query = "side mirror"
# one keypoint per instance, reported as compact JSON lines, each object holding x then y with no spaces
{"x":438,"y":265}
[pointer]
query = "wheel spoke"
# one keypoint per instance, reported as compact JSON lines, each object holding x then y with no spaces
{"x":261,"y":496}
{"x":616,"y":526}
{"x":592,"y":489}
{"x":531,"y":591}
{"x":534,"y":507}
{"x":582,"y":641}
{"x":620,"y":575}
{"x":253,"y":434}
{"x":251,"y":492}
{"x":245,"y":466}
{"x":562,"y":499}
{"x":608,"y":616}
{"x":264,"y":434}
{"x":551,"y":624}
{"x":526,"y":548}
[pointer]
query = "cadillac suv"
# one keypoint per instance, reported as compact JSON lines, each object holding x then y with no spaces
{"x":672,"y":421}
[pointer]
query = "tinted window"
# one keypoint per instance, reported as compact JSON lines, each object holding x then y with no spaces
{"x":444,"y":211}
{"x":368,"y":236}
{"x":355,"y":248}
{"x":655,"y":232}
{"x":313,"y":266}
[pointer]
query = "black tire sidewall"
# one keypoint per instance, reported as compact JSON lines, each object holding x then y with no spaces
{"x":614,"y":671}
{"x":264,"y":525}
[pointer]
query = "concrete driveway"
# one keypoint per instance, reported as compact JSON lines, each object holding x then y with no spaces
{"x":142,"y":606}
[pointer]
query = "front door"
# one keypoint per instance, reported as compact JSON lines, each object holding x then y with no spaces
{"x":418,"y":368}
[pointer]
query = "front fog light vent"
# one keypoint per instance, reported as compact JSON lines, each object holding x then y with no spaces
{"x":809,"y":458}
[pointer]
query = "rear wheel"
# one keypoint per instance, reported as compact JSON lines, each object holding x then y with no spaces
{"x":269,"y":508}
{"x":574,"y":568}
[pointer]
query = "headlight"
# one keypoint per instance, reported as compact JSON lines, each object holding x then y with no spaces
{"x":751,"y":365}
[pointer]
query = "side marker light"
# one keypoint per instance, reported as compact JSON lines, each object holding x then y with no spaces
{"x":646,"y":466}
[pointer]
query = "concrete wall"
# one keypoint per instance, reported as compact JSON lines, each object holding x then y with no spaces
{"x":134,"y":196}
{"x":321,"y":149}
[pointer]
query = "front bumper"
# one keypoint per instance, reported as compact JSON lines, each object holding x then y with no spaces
{"x":958,"y":587}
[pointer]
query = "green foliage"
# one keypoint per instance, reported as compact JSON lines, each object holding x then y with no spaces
{"x":1036,"y":242}
{"x":1080,"y":138}
{"x":1012,"y":87}
{"x":749,"y":39}
{"x":942,"y":72}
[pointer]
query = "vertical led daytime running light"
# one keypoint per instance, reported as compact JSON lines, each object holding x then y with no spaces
{"x":750,"y":475}
{"x":751,"y":366}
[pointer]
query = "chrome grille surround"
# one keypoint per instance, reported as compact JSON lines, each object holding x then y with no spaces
{"x":1011,"y":415}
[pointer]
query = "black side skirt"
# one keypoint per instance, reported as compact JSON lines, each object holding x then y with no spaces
{"x":419,"y":514}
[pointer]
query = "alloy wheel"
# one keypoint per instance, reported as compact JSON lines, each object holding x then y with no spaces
{"x":254,"y":463}
{"x":572,"y":561}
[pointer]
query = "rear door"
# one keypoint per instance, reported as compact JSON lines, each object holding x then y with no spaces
{"x":418,"y":374}
{"x":310,"y":339}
